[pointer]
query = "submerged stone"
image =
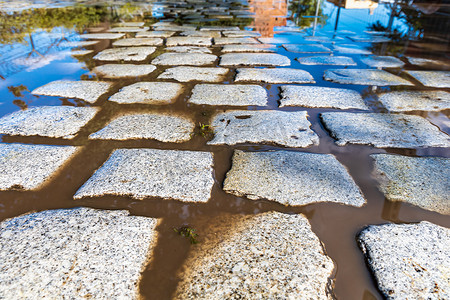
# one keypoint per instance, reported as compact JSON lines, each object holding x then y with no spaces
{"x":270,"y":255}
{"x":254,"y":59}
{"x":306,"y":48}
{"x":184,"y":59}
{"x":291,"y":178}
{"x":229,"y":94}
{"x":28,"y":167}
{"x":234,"y":40}
{"x":139,"y":42}
{"x":369,"y":39}
{"x":48,"y":121}
{"x":188,"y":40}
{"x":154,"y":34}
{"x":125,"y":54}
{"x":186,"y":74}
{"x":384,"y":130}
{"x":421,"y":181}
{"x":415,"y":100}
{"x":102,"y":36}
{"x":75,"y":253}
{"x":123,"y":70}
{"x":284,"y":75}
{"x":80,"y":43}
{"x":439,"y":79}
{"x":188,"y":49}
{"x":426,"y":61}
{"x":158,"y":93}
{"x":161,"y":127}
{"x":327,"y":60}
{"x":364,"y":77}
{"x":314,"y":96}
{"x":382,"y":61}
{"x":275,"y":40}
{"x":88,"y":91}
{"x":249,"y":48}
{"x":169,"y":174}
{"x":350,"y":49}
{"x":408,"y":261}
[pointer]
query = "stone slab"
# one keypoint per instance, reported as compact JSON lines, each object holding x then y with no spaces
{"x":154,"y":34}
{"x":438,"y":79}
{"x":268,"y":256}
{"x":81,"y":52}
{"x":138,"y":42}
{"x":350,"y":49}
{"x":102,"y":36}
{"x":249,"y":48}
{"x":289,"y":129}
{"x":306,"y":48}
{"x":123,"y":70}
{"x":415,"y":100}
{"x":219,"y":28}
{"x":229,"y":94}
{"x":234,"y":40}
{"x":158,"y":93}
{"x":125,"y":54}
{"x":88,"y":91}
{"x":208,"y":34}
{"x":327,"y":60}
{"x":241,"y":33}
{"x":284,"y":75}
{"x":291,"y":178}
{"x":254,"y":59}
{"x":421,"y":181}
{"x":130,"y":24}
{"x":28,"y":167}
{"x":364,"y":77}
{"x":127,"y":29}
{"x":426,"y":62}
{"x":314,"y":96}
{"x":160,"y":127}
{"x":74,"y":253}
{"x":408,"y":261}
{"x":382,"y":61}
{"x":185,"y":59}
{"x":169,"y":174}
{"x":384,"y":130}
{"x":188,"y":41}
{"x":369,"y":39}
{"x":186,"y":74}
{"x":188,"y":49}
{"x":275,"y":40}
{"x":80,"y":43}
{"x":48,"y":121}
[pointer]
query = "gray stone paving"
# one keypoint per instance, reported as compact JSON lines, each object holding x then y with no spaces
{"x":426,"y":61}
{"x":138,"y":42}
{"x":421,"y":181}
{"x":47,"y":121}
{"x":81,"y":52}
{"x":408,"y":261}
{"x":188,"y":41}
{"x":29,"y":167}
{"x":219,"y":28}
{"x":137,"y":54}
{"x":127,"y":29}
{"x":123,"y":70}
{"x":290,"y":129}
{"x":169,"y":174}
{"x":384,"y":130}
{"x":88,"y":91}
{"x":327,"y":60}
{"x":350,"y":49}
{"x":184,"y":59}
{"x":102,"y":36}
{"x":188,"y":49}
{"x":369,"y":39}
{"x":382,"y":61}
{"x":415,"y":100}
{"x":154,"y":34}
{"x":439,"y":79}
{"x":306,"y":48}
{"x":234,"y":40}
{"x":158,"y":93}
{"x":254,"y":59}
{"x":249,"y":48}
{"x":314,"y":96}
{"x":267,"y":256}
{"x":291,"y":178}
{"x":130,"y":24}
{"x":186,"y":74}
{"x":209,"y":34}
{"x":241,"y":33}
{"x":74,"y":253}
{"x":229,"y":94}
{"x":364,"y":77}
{"x":273,"y":75}
{"x":162,"y":127}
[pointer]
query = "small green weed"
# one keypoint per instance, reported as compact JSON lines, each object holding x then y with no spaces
{"x":204,"y":130}
{"x":187,"y":232}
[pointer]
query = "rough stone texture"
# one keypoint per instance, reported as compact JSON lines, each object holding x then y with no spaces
{"x":369,"y":39}
{"x":234,"y":40}
{"x":128,"y":29}
{"x":125,"y":54}
{"x":265,"y":256}
{"x":426,"y":61}
{"x":139,"y":42}
{"x":88,"y":91}
{"x":408,"y":261}
{"x":209,"y":34}
{"x":254,"y":59}
{"x":290,"y":129}
{"x":148,"y":93}
{"x":81,"y":52}
{"x":188,"y":40}
{"x":275,"y":40}
{"x":229,"y":94}
{"x":184,"y":59}
{"x":130,"y":24}
{"x":291,"y":178}
{"x":249,"y":48}
{"x":102,"y":36}
{"x":439,"y":79}
{"x":350,"y":49}
{"x":49,"y":121}
{"x":80,"y":43}
{"x":186,"y":74}
{"x":74,"y":253}
{"x":382,"y":61}
{"x":241,"y":33}
{"x":28,"y":167}
{"x":123,"y":70}
{"x":415,"y":100}
{"x":170,"y":174}
{"x":274,"y":75}
{"x":327,"y":60}
{"x":384,"y":130}
{"x":188,"y":49}
{"x":154,"y":34}
{"x":219,"y":28}
{"x":306,"y":48}
{"x":421,"y":181}
{"x":314,"y":96}
{"x":364,"y":77}
{"x":161,"y":127}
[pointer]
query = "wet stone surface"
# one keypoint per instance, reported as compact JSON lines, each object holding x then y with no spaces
{"x":364,"y":77}
{"x":123,"y":70}
{"x":184,"y":59}
{"x":230,"y":95}
{"x":102,"y":36}
{"x":186,"y":74}
{"x":415,"y":100}
{"x":439,"y":79}
{"x":249,"y":48}
{"x":154,"y":34}
{"x":74,"y":253}
{"x":188,"y":49}
{"x":350,"y":49}
{"x":409,"y":261}
{"x":306,"y":48}
{"x":138,"y":42}
{"x":327,"y":60}
{"x":234,"y":40}
{"x":188,"y":41}
{"x":88,"y":91}
{"x":158,"y":93}
{"x":254,"y":59}
{"x":137,"y":54}
{"x":382,"y":61}
{"x":273,"y":75}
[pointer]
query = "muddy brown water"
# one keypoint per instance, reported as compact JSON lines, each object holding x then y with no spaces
{"x":336,"y":225}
